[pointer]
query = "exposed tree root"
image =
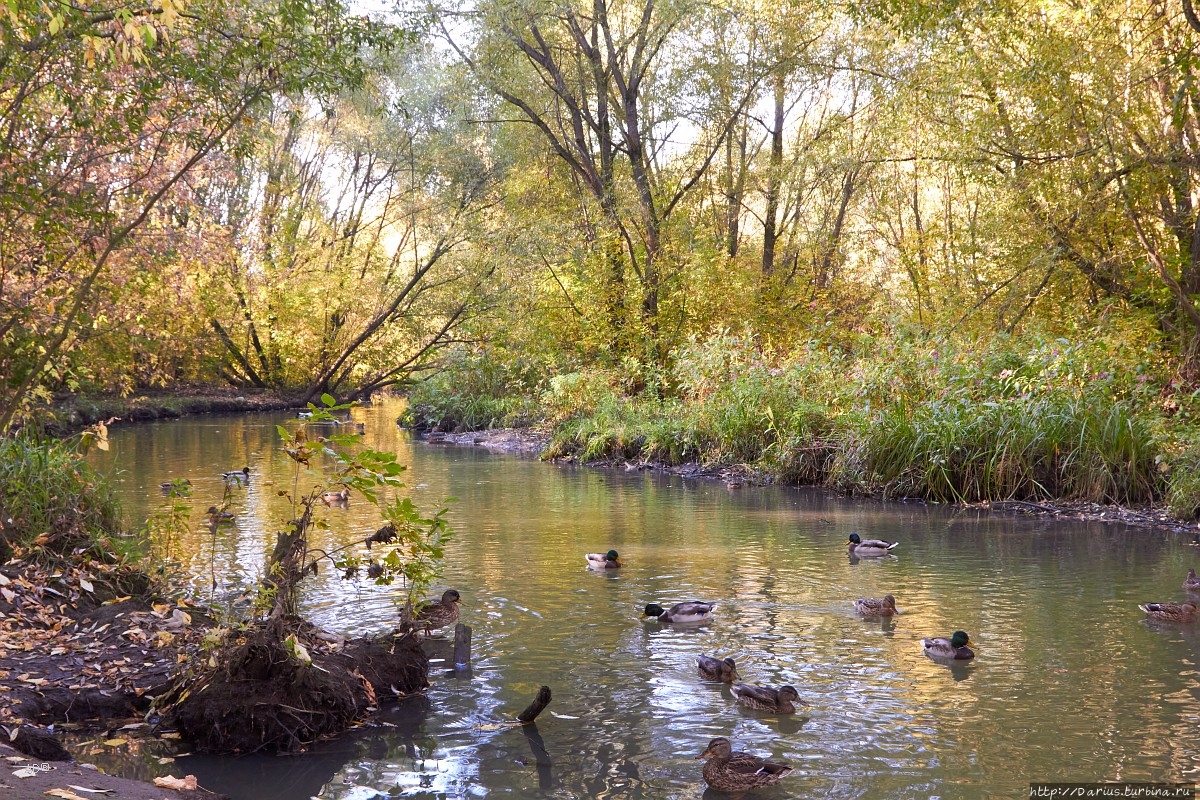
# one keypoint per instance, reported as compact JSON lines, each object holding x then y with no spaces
{"x":263,"y":695}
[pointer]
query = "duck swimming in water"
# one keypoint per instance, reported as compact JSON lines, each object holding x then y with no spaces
{"x":873,"y":607}
{"x":866,"y":548}
{"x":237,"y":476}
{"x":691,"y":611}
{"x":955,"y":647}
{"x":730,"y":771}
{"x":712,"y":669}
{"x":609,"y":560}
{"x":763,"y":698}
{"x":1170,"y":612}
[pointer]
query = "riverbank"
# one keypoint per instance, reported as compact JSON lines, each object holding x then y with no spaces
{"x":535,"y":441}
{"x":24,"y":778}
{"x":75,"y":412}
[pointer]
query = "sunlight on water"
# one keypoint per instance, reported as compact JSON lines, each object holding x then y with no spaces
{"x":1070,"y":683}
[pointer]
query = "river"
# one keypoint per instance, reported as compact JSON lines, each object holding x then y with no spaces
{"x":1071,"y":683}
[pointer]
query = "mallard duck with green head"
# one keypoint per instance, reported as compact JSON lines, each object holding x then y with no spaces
{"x":713,"y":669}
{"x":690,"y":611}
{"x":237,"y":476}
{"x":727,"y":770}
{"x":609,"y":560}
{"x":1170,"y":612}
{"x":867,"y":548}
{"x":1191,"y":583}
{"x":953,"y":648}
{"x":432,"y":616}
{"x":763,"y":698}
{"x":876,"y":607}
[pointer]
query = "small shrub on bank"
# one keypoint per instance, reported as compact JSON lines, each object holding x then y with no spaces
{"x":50,"y":497}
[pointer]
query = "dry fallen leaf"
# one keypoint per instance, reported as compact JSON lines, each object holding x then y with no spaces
{"x":65,"y":794}
{"x":115,"y":742}
{"x":187,"y":784}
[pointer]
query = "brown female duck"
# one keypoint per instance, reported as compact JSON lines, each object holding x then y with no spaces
{"x":876,"y":607}
{"x":730,"y":771}
{"x":763,"y":698}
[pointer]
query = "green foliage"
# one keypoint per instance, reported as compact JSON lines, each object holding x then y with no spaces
{"x":415,"y":543}
{"x":51,"y":500}
{"x":476,"y":389}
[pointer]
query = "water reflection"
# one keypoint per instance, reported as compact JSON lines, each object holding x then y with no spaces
{"x":1070,"y":682}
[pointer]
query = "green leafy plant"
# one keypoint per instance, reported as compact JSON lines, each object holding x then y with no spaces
{"x":415,"y":542}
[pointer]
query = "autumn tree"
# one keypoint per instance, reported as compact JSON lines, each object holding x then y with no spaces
{"x":105,"y":114}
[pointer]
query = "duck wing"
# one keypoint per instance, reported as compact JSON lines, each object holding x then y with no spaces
{"x":877,"y":543}
{"x":692,"y":609}
{"x":763,"y":695}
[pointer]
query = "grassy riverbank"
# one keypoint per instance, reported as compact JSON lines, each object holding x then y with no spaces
{"x":1100,"y":419}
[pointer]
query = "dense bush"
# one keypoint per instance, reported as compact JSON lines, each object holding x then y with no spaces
{"x":476,"y":389}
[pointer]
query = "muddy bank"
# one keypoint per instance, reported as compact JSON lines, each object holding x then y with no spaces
{"x":73,"y":413}
{"x":533,"y":441}
{"x":82,"y":780}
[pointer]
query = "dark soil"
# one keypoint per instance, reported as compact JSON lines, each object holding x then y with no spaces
{"x":48,"y":776}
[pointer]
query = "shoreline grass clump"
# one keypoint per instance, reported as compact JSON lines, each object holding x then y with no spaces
{"x":51,"y":498}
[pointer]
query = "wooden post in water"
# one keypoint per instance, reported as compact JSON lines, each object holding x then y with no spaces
{"x":536,"y":707}
{"x":462,"y":646}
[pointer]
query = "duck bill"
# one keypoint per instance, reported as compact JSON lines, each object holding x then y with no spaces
{"x":705,"y":754}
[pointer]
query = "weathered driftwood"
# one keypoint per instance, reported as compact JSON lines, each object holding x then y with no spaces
{"x":536,"y":707}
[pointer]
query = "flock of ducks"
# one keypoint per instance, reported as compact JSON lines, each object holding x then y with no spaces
{"x":217,"y":515}
{"x":733,"y":771}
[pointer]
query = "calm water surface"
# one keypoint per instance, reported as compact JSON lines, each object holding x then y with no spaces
{"x":1070,"y":683}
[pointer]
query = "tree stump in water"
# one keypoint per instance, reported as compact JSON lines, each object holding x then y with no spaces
{"x":462,"y":646}
{"x":536,"y":707}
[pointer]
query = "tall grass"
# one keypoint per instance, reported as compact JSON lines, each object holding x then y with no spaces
{"x":1029,"y":418}
{"x":51,"y":498}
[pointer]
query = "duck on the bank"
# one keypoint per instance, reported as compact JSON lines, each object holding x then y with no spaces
{"x":953,"y":648}
{"x":712,"y":669}
{"x":1192,"y":583}
{"x":866,"y":548}
{"x":876,"y":607}
{"x":340,"y":497}
{"x":609,"y":560}
{"x":438,"y":614}
{"x":1170,"y":612}
{"x":218,"y":515}
{"x":238,"y":476}
{"x":691,"y":611}
{"x":730,"y":771}
{"x":763,"y":698}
